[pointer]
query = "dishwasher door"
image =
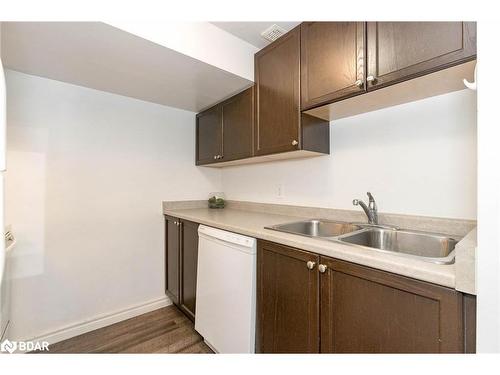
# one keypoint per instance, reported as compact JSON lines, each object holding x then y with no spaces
{"x":226,"y":290}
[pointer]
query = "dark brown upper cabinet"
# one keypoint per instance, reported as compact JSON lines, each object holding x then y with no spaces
{"x":225,"y":132}
{"x":279,"y":124}
{"x":287,"y":300}
{"x":398,"y":51}
{"x":209,"y":135}
{"x":237,"y":126}
{"x":332,"y":61}
{"x":181,"y":262}
{"x":303,"y":78}
{"x":277,"y":84}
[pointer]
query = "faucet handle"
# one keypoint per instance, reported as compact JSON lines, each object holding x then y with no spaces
{"x":370,"y":196}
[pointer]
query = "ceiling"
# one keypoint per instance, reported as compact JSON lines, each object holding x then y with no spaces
{"x":250,"y":31}
{"x":102,"y":57}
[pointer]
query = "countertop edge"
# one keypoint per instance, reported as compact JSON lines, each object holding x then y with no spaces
{"x":465,"y":263}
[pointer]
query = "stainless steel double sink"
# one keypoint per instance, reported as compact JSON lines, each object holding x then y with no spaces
{"x":430,"y":247}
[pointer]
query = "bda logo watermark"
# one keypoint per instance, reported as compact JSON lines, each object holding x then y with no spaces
{"x":8,"y":346}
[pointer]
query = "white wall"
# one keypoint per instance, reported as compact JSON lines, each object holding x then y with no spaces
{"x":87,"y":172}
{"x":417,"y":158}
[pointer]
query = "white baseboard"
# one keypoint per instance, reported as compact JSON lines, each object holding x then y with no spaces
{"x":102,"y":321}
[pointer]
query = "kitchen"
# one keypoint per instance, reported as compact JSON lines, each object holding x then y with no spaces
{"x":315,"y":193}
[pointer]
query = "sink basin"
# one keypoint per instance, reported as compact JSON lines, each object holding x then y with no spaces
{"x":430,"y":247}
{"x":316,"y":228}
{"x":435,"y":248}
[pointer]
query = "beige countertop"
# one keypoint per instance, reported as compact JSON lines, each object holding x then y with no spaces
{"x":251,"y":223}
{"x":465,"y":263}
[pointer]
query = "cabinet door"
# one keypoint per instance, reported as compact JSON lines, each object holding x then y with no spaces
{"x":237,"y":126}
{"x":172,"y":259}
{"x":277,"y":85}
{"x":287,"y":300}
{"x":398,"y":51}
{"x":208,"y":135}
{"x":370,"y":311}
{"x":189,"y":265}
{"x":332,"y":61}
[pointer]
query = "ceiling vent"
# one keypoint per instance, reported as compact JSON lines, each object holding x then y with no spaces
{"x":272,"y":33}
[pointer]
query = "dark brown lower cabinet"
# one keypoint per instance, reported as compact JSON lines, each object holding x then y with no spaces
{"x":287,"y":300}
{"x":172,"y":252}
{"x":364,"y":310}
{"x":181,"y":260}
{"x":189,"y":265}
{"x":470,"y":323}
{"x":310,"y":304}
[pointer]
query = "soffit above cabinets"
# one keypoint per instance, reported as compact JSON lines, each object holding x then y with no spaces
{"x":251,"y":31}
{"x":103,"y":57}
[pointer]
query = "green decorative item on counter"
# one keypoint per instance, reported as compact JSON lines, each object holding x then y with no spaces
{"x":216,"y":200}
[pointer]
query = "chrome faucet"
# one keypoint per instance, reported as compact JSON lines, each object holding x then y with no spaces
{"x":370,"y":210}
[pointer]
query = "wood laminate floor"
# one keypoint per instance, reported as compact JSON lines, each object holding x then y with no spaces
{"x":165,"y":330}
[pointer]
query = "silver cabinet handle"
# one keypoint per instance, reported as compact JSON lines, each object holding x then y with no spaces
{"x":294,"y":143}
{"x":322,"y":268}
{"x":310,"y":264}
{"x":175,"y":222}
{"x":359,"y":83}
{"x":215,"y":157}
{"x":371,"y":79}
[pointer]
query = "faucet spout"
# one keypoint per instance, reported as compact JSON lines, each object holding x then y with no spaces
{"x":370,"y":209}
{"x":363,"y":205}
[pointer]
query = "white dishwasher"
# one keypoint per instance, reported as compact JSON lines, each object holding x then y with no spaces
{"x":225,"y":290}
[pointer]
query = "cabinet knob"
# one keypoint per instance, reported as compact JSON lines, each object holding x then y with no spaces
{"x":322,"y":268}
{"x":359,"y":83}
{"x":215,"y":157}
{"x":294,"y":143}
{"x":371,"y":79}
{"x":310,"y":264}
{"x":221,"y":156}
